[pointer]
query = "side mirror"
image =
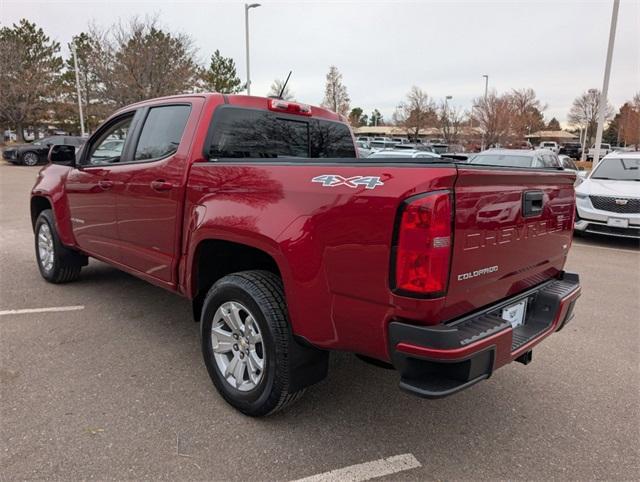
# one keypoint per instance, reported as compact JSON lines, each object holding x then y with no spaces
{"x":64,"y":155}
{"x":582,"y":174}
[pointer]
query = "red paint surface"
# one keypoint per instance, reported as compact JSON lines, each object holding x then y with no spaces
{"x":332,"y":245}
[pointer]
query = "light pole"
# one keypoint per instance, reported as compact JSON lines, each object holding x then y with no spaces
{"x":247,"y":7}
{"x":605,"y":83}
{"x":446,"y":116}
{"x":486,"y":91}
{"x":75,"y":67}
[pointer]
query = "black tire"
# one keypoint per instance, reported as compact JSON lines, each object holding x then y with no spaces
{"x":67,"y":263}
{"x":262,"y":293}
{"x":30,"y":159}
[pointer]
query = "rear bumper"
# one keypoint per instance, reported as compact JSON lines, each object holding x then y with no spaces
{"x":440,"y":360}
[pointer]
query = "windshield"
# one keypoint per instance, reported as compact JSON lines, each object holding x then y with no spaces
{"x":618,"y":169}
{"x":42,"y":142}
{"x":507,"y":160}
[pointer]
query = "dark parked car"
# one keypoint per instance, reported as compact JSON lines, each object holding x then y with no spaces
{"x":517,"y":158}
{"x":36,"y":152}
{"x":571,"y":149}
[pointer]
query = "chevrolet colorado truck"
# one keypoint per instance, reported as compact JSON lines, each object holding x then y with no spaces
{"x":289,"y":246}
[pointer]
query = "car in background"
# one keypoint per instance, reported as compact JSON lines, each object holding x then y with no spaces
{"x":608,"y":199}
{"x":440,"y":148}
{"x":550,"y":145}
{"x":567,"y":163}
{"x":571,"y":149}
{"x":415,"y":147}
{"x":517,"y":158}
{"x":364,"y":139}
{"x":364,"y":149}
{"x":109,"y":149}
{"x":605,"y":149}
{"x":404,"y":154}
{"x":380,"y":145}
{"x":400,"y":140}
{"x":36,"y":152}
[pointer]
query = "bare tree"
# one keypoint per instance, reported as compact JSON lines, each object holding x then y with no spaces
{"x":336,"y":97}
{"x":526,"y":112}
{"x":416,"y":112}
{"x":450,"y":120}
{"x":276,"y":88}
{"x":493,"y":114}
{"x":138,"y":60}
{"x":584,"y":112}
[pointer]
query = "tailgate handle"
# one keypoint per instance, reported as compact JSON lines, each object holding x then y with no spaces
{"x":532,"y":203}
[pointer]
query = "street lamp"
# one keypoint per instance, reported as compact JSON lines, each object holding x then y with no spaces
{"x":247,"y":7}
{"x":75,"y":67}
{"x":605,"y":83}
{"x":486,"y":90}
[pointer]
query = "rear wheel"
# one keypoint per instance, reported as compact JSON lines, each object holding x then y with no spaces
{"x":57,"y":263}
{"x":30,"y":159}
{"x":246,"y":342}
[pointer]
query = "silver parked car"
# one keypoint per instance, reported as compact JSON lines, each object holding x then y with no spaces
{"x":608,"y":200}
{"x":405,"y":154}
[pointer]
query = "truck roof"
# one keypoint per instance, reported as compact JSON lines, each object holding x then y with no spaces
{"x":241,"y":100}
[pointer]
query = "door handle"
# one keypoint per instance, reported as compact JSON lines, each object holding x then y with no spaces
{"x":105,"y":184}
{"x":161,"y":185}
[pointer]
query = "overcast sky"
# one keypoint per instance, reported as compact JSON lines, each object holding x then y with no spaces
{"x":382,"y":48}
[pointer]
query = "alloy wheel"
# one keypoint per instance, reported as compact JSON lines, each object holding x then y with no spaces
{"x":46,"y":250}
{"x":237,"y":346}
{"x":30,"y":159}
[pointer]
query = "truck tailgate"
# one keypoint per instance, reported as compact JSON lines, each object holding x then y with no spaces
{"x":512,"y":230}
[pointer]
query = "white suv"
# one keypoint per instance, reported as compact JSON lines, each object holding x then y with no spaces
{"x":608,"y":200}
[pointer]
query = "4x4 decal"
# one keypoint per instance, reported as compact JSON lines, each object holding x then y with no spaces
{"x":334,"y":180}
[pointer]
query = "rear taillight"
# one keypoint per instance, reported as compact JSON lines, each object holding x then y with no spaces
{"x":423,"y":245}
{"x":289,"y":107}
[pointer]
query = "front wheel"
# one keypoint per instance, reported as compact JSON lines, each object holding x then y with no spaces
{"x":57,"y":263}
{"x":30,"y":159}
{"x":247,"y":342}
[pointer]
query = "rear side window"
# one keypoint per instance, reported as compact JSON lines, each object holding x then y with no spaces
{"x":246,"y":133}
{"x":162,"y":131}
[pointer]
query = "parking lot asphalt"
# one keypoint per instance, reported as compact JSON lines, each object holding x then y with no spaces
{"x":118,"y":389}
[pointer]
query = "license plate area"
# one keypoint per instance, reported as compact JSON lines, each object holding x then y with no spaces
{"x":515,"y":313}
{"x":618,"y":222}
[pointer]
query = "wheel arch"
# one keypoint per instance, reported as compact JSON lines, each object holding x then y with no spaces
{"x":39,"y":204}
{"x":214,"y":258}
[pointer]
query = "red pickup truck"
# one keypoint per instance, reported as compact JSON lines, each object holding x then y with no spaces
{"x":290,"y":246}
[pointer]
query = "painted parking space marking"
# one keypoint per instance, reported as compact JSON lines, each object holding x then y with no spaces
{"x":41,"y":310}
{"x":368,"y":470}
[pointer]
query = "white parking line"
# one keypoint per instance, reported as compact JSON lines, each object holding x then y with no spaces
{"x":42,"y":310}
{"x":604,"y":247}
{"x":368,"y":470}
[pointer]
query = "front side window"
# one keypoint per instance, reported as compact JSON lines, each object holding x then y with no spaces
{"x":108,"y":148}
{"x":162,"y":132}
{"x":247,"y":133}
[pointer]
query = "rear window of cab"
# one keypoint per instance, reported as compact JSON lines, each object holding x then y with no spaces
{"x":248,"y":133}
